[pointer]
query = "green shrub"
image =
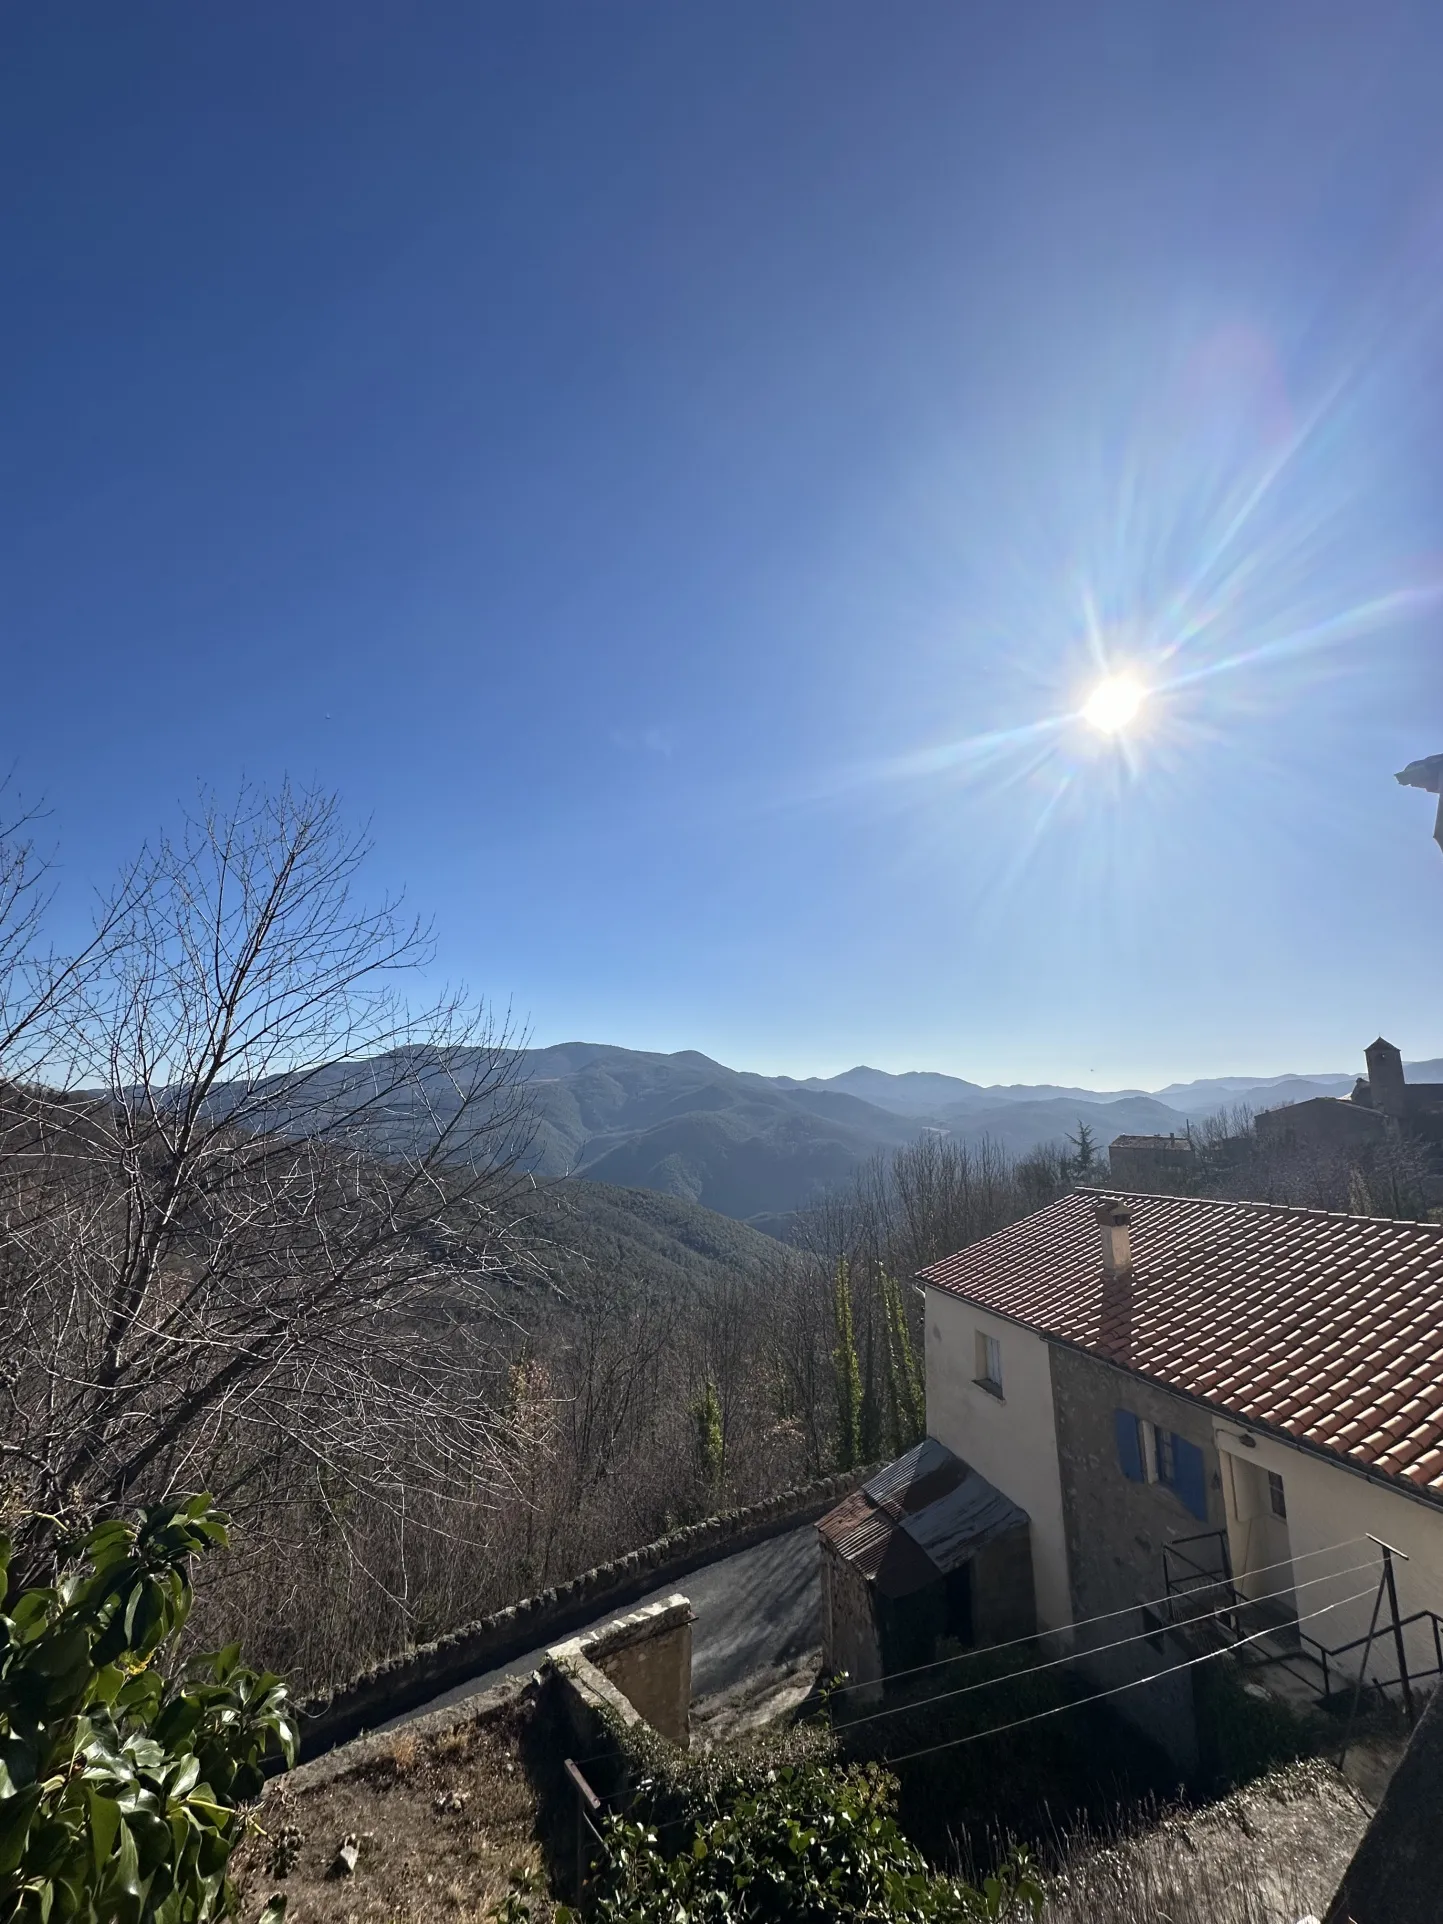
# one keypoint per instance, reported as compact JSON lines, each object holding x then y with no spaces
{"x":1242,"y":1733}
{"x":808,"y":1844}
{"x":120,"y":1786}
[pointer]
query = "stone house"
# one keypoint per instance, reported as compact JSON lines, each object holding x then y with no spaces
{"x":1179,"y":1388}
{"x":1382,"y":1103}
{"x":1152,"y":1162}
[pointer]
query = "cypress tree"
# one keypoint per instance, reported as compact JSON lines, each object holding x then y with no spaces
{"x":848,"y":1373}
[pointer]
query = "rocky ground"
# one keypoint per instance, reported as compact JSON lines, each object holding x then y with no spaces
{"x":428,"y":1824}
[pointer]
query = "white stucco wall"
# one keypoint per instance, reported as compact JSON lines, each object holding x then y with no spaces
{"x":1327,"y":1505}
{"x":1012,"y":1439}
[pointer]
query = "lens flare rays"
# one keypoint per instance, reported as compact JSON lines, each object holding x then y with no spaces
{"x":1213,"y":564}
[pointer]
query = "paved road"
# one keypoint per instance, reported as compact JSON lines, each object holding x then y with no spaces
{"x":755,"y":1609}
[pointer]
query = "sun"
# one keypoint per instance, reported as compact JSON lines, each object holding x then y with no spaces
{"x":1114,"y":704}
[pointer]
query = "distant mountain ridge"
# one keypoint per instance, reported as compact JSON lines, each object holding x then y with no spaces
{"x":757,"y":1148}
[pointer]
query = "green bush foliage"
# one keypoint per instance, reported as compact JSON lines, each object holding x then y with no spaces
{"x":121,"y":1786}
{"x":1242,"y":1734}
{"x":806,"y":1843}
{"x":710,"y":1440}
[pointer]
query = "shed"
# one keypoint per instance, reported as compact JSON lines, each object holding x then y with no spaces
{"x":925,"y":1553}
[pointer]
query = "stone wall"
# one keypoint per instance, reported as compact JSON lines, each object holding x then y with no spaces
{"x":646,"y":1657}
{"x":1151,"y":1162}
{"x":1116,"y":1529}
{"x":849,"y":1628}
{"x":401,"y":1683}
{"x":1003,"y":1599}
{"x":1323,"y":1122}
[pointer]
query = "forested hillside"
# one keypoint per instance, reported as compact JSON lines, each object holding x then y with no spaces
{"x":757,"y":1148}
{"x":578,"y":1228}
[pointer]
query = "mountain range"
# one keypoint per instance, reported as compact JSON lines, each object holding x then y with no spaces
{"x":756,"y":1147}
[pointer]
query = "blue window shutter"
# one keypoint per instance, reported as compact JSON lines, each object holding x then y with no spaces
{"x":1189,"y":1479}
{"x":1129,"y":1444}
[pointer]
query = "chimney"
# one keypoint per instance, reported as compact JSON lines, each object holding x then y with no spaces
{"x":1385,"y":1077}
{"x":1114,"y":1220}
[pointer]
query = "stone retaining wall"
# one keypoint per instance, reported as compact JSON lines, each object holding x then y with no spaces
{"x":644,"y":1659}
{"x":401,"y":1683}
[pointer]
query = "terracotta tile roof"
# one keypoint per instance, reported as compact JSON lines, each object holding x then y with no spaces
{"x":1328,"y":1328}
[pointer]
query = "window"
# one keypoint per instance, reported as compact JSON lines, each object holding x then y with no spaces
{"x":1153,"y":1628}
{"x":1147,"y":1453}
{"x":1276,"y":1499}
{"x":1130,"y":1446}
{"x":989,"y":1362}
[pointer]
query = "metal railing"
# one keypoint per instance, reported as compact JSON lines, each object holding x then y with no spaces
{"x":1224,"y":1612}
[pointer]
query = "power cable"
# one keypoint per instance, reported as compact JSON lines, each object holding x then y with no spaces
{"x":1093,"y":1650}
{"x":1105,"y":1616}
{"x":1057,"y":1710}
{"x":1081,"y":1623}
{"x":1155,"y":1676}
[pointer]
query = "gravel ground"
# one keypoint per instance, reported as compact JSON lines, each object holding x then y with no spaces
{"x":443,"y":1819}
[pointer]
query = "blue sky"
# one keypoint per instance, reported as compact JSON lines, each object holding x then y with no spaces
{"x":678,"y":470}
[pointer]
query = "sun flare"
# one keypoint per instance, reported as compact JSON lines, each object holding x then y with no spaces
{"x":1114,"y":704}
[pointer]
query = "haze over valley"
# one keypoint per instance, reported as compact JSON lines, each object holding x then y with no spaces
{"x":758,"y":1148}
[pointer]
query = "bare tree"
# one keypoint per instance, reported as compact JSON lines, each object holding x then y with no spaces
{"x":276,"y":1220}
{"x":39,"y":986}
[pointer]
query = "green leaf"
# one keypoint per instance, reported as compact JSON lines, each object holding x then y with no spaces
{"x":117,"y":1790}
{"x":15,"y":1816}
{"x":127,"y":1865}
{"x":104,"y":1823}
{"x":223,"y":1662}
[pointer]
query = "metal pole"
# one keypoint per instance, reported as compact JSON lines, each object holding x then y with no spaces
{"x":1398,"y":1645}
{"x":1362,"y":1672}
{"x":586,"y":1802}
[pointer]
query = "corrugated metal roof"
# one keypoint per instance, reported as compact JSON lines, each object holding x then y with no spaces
{"x":927,"y":1456}
{"x":917,"y":1519}
{"x":954,"y":1528}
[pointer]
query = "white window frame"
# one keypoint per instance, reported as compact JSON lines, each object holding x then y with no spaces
{"x":989,"y":1363}
{"x":1154,"y":1452}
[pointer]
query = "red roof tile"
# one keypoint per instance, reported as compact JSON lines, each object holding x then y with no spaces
{"x":1328,"y":1328}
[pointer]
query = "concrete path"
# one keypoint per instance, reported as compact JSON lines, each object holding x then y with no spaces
{"x":755,"y":1610}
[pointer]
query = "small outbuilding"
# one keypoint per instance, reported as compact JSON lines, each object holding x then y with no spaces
{"x":926,"y":1554}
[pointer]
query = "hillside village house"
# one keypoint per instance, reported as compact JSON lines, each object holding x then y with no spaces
{"x":1382,"y":1103}
{"x":1172,"y":1389}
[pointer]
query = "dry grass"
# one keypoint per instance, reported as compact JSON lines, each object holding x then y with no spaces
{"x":444,"y":1822}
{"x":1269,"y":1855}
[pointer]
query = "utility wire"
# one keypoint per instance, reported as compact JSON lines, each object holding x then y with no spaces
{"x":1105,"y":1616}
{"x":1079,"y":1623}
{"x":1093,"y":1650}
{"x":1057,"y":1710}
{"x":975,"y":1736}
